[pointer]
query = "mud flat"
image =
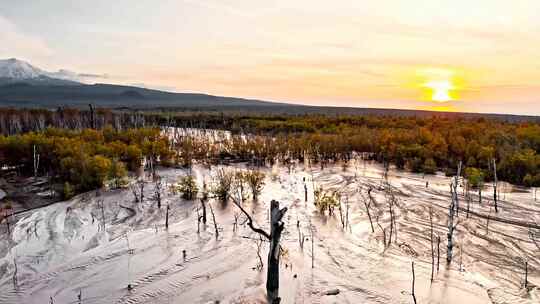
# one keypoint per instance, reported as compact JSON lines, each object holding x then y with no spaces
{"x":75,"y":247}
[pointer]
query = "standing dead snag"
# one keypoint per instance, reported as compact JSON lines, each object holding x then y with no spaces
{"x":451,"y":210}
{"x":526,"y":273}
{"x":305,"y":192}
{"x":413,"y":279}
{"x":214,"y":219}
{"x":157,"y":190}
{"x":312,"y":248}
{"x":431,"y":238}
{"x":167,"y":218}
{"x":495,"y":185}
{"x":438,"y":251}
{"x":368,"y":213}
{"x":344,"y":215}
{"x":276,"y":228}
{"x":393,"y":228}
{"x":204,"y":199}
{"x":36,"y":162}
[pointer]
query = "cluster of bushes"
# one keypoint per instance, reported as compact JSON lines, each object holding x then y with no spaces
{"x":84,"y":159}
{"x":420,"y":144}
{"x":417,"y":144}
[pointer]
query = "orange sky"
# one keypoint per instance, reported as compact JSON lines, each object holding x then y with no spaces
{"x":345,"y":53}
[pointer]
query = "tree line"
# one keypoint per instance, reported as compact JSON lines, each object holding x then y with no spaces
{"x":419,"y":144}
{"x":83,"y":159}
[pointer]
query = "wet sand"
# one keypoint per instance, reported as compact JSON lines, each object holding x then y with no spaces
{"x":63,"y":249}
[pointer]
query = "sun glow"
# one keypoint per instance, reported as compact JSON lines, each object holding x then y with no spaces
{"x":440,"y":90}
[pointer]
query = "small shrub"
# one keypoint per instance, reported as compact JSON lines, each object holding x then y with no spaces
{"x":325,"y":200}
{"x":188,"y":187}
{"x":475,"y":177}
{"x":68,"y":191}
{"x":223,"y":182}
{"x":255,"y":181}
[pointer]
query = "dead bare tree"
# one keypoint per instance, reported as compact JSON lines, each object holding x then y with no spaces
{"x":431,"y":239}
{"x":312,"y":246}
{"x":367,"y":211}
{"x":383,"y":232}
{"x":344,"y":215}
{"x":235,"y":224}
{"x":141,"y":187}
{"x":305,"y":190}
{"x":438,"y":251}
{"x":276,"y":228}
{"x":102,"y":207}
{"x":451,"y":210}
{"x":413,"y":279}
{"x":526,"y":274}
{"x":214,"y":219}
{"x":391,"y":202}
{"x":260,"y":265}
{"x":167,"y":217}
{"x":495,"y":184}
{"x":157,"y":189}
{"x":301,"y":238}
{"x":204,"y":199}
{"x":36,"y":162}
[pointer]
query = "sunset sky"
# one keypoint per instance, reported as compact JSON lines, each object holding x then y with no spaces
{"x":460,"y":55}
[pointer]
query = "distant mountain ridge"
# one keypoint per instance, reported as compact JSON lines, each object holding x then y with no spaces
{"x":23,"y":85}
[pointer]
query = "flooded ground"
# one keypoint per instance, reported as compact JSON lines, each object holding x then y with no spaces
{"x":76,"y":248}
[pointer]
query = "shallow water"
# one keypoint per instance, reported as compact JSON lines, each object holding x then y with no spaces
{"x":62,"y":249}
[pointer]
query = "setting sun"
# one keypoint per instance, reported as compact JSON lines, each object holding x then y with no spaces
{"x":440,"y":90}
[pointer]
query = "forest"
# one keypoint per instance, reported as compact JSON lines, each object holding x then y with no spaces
{"x":72,"y":141}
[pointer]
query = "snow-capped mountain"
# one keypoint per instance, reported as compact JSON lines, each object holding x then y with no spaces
{"x":18,"y":69}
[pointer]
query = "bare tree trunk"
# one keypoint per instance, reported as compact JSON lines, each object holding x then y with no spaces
{"x":454,"y":206}
{"x":36,"y":162}
{"x":141,"y":185}
{"x":384,"y":233}
{"x":214,"y":219}
{"x":341,"y":215}
{"x":100,"y":202}
{"x":431,"y":238}
{"x":277,"y":226}
{"x":369,"y":216}
{"x":391,"y":221}
{"x":495,"y":185}
{"x":203,"y":204}
{"x":167,"y":218}
{"x":157,"y":190}
{"x":312,"y":248}
{"x":526,"y":273}
{"x":438,"y":251}
{"x":301,"y":239}
{"x":413,"y":279}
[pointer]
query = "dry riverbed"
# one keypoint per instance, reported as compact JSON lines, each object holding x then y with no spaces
{"x":75,"y":247}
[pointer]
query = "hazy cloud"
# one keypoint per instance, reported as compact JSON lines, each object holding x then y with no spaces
{"x":15,"y":43}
